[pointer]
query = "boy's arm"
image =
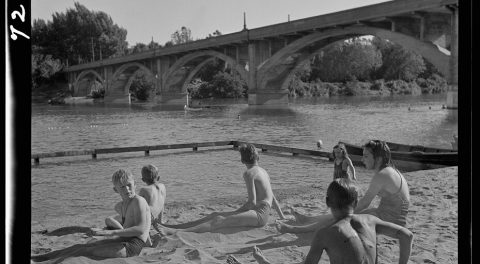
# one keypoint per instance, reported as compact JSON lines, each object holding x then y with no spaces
{"x":404,"y":236}
{"x":249,"y":182}
{"x":373,"y":189}
{"x":352,"y":168}
{"x":140,"y":214}
{"x":316,"y":249}
{"x":276,"y":204}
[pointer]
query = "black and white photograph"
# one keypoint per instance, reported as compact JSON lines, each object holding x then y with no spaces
{"x":238,"y":131}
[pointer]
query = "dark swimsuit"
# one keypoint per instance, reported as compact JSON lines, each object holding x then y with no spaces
{"x":338,"y":171}
{"x":393,"y":207}
{"x":133,"y":245}
{"x":262,"y":209}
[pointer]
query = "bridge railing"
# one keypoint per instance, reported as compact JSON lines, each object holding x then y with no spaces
{"x":193,"y":146}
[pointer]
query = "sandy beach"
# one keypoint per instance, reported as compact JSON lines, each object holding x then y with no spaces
{"x":432,"y":218}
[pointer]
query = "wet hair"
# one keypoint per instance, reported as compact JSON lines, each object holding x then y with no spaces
{"x":342,"y":147}
{"x":121,"y":176}
{"x":249,"y":153}
{"x":380,"y":149}
{"x":150,"y":174}
{"x":342,"y":194}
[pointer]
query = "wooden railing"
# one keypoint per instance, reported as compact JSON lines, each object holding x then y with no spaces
{"x":193,"y":146}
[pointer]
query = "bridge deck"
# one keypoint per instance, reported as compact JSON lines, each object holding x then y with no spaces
{"x":362,"y":14}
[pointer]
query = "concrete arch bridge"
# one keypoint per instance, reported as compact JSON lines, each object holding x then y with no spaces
{"x":267,"y":57}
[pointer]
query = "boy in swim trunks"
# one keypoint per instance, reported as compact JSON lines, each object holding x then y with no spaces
{"x":125,"y":241}
{"x":353,"y":237}
{"x":154,"y":193}
{"x":254,"y":213}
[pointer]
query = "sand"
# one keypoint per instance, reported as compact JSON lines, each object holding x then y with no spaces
{"x":433,"y":219}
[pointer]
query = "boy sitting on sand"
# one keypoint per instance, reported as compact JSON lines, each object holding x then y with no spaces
{"x":127,"y":240}
{"x":154,"y":193}
{"x":254,"y":213}
{"x":353,"y":237}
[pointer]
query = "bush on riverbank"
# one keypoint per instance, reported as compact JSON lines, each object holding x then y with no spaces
{"x":431,"y":85}
{"x":100,"y":93}
{"x":434,"y":84}
{"x":223,"y":85}
{"x":46,"y":92}
{"x":141,"y":88}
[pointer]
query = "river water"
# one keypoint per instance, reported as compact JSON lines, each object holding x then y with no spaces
{"x":65,"y":188}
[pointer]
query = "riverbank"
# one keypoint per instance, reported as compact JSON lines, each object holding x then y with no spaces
{"x":433,"y":85}
{"x":433,"y":220}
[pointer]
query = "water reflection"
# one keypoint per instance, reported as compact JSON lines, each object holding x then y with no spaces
{"x":275,"y":111}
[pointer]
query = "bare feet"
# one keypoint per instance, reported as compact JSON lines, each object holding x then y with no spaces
{"x":259,"y":257}
{"x":232,"y":260}
{"x":282,"y":227}
{"x":298,"y":217}
{"x":164,"y":231}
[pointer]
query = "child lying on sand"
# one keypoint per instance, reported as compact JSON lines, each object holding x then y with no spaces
{"x":353,"y":237}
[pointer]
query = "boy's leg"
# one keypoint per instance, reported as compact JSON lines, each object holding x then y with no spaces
{"x":322,"y":221}
{"x":112,"y":249}
{"x":199,"y":221}
{"x":75,"y":249}
{"x":247,"y":218}
{"x":304,"y":219}
{"x":113,"y":222}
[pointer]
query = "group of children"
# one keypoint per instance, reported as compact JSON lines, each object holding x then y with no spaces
{"x":346,"y":236}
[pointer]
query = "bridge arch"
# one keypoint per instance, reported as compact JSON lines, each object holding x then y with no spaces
{"x":138,"y":68}
{"x":82,"y":75}
{"x":174,"y":83}
{"x":277,"y":70}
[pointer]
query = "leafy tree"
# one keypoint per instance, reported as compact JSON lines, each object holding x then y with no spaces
{"x":184,"y":35}
{"x":153,"y":45}
{"x":216,"y":33}
{"x":208,"y":71}
{"x":139,"y":47}
{"x":398,"y":63}
{"x":141,"y":87}
{"x":69,"y":36}
{"x":44,"y":68}
{"x":355,"y":59}
{"x":223,"y":85}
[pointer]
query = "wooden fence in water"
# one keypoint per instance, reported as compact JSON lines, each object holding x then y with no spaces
{"x":193,"y":146}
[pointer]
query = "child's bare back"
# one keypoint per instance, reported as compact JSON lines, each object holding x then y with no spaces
{"x":350,"y":240}
{"x":155,"y":195}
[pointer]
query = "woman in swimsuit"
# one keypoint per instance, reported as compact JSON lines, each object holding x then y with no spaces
{"x":387,"y":182}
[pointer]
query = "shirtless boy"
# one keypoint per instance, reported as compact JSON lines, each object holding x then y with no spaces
{"x":254,"y":213}
{"x":154,"y":193}
{"x":125,"y":241}
{"x":353,"y":237}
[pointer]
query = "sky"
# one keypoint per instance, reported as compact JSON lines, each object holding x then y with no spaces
{"x":158,"y":19}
